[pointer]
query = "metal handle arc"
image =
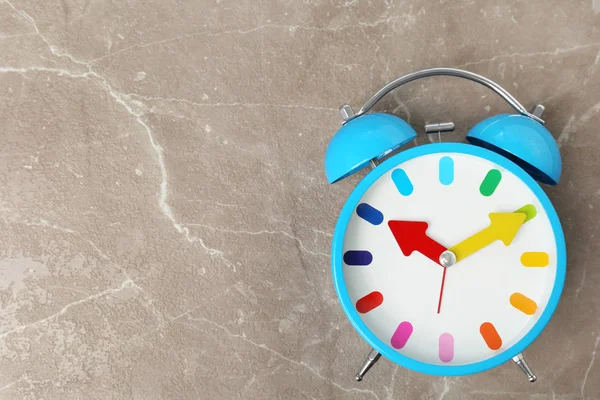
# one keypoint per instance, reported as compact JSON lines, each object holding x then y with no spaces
{"x":459,"y":73}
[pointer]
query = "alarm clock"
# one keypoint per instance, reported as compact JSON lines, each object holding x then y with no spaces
{"x":447,"y":258}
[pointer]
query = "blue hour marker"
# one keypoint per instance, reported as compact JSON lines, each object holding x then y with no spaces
{"x":369,"y":213}
{"x":358,"y":257}
{"x":446,"y":170}
{"x":402,"y":182}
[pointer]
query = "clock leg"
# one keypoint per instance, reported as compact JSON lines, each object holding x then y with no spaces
{"x":520,"y":361}
{"x":371,"y":359}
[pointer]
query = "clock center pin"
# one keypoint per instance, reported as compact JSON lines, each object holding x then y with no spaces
{"x":447,"y":259}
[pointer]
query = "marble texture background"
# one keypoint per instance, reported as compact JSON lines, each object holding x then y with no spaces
{"x":165,"y":218}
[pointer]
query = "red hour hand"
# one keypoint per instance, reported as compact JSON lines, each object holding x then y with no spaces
{"x":411,"y":236}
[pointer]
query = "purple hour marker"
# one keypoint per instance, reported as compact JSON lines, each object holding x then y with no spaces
{"x":358,"y":258}
{"x":402,"y":334}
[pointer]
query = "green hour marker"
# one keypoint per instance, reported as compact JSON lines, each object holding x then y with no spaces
{"x":529,"y":210}
{"x":490,"y":182}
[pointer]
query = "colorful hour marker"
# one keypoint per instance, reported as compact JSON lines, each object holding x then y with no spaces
{"x":490,"y":335}
{"x":402,"y":182}
{"x":446,"y":347}
{"x":490,"y":182}
{"x":523,"y":303}
{"x":369,"y":213}
{"x":529,"y":210}
{"x":369,"y":302}
{"x":446,"y":172}
{"x":402,"y":334}
{"x":534,"y":259}
{"x":358,"y":258}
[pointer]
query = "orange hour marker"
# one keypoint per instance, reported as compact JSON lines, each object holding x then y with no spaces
{"x":523,"y":303}
{"x":534,"y":259}
{"x":490,"y":335}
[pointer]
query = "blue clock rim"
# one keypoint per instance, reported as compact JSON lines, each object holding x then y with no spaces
{"x":348,"y":306}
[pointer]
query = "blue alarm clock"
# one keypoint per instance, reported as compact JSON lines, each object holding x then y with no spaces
{"x":448,"y":258}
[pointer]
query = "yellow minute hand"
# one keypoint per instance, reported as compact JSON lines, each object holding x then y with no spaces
{"x":503,"y":226}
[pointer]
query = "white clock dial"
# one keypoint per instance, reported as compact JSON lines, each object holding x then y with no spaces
{"x":492,"y":296}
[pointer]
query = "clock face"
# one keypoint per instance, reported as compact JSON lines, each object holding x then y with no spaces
{"x":449,"y":259}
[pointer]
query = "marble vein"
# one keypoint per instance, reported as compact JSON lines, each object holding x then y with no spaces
{"x":234,"y":104}
{"x":505,"y":393}
{"x":565,"y":134}
{"x":128,"y":283}
{"x":586,"y":263}
{"x":263,"y":232}
{"x":281,"y":356}
{"x":446,"y":388}
{"x":390,"y":389}
{"x":573,"y":123}
{"x":327,"y":234}
{"x":242,"y":32}
{"x":57,"y":71}
{"x":3,"y":388}
{"x":135,"y":284}
{"x":17,"y":36}
{"x":43,"y":223}
{"x":590,"y":365}
{"x":554,"y":52}
{"x":137,"y":112}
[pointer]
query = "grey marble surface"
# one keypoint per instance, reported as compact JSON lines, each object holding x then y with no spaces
{"x":166,"y":221}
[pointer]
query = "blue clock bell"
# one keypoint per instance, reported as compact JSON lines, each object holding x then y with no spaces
{"x":448,"y":258}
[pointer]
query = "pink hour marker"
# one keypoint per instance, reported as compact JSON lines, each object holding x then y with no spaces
{"x":400,"y":337}
{"x":446,"y":347}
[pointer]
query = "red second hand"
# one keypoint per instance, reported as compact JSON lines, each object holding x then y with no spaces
{"x":442,"y":289}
